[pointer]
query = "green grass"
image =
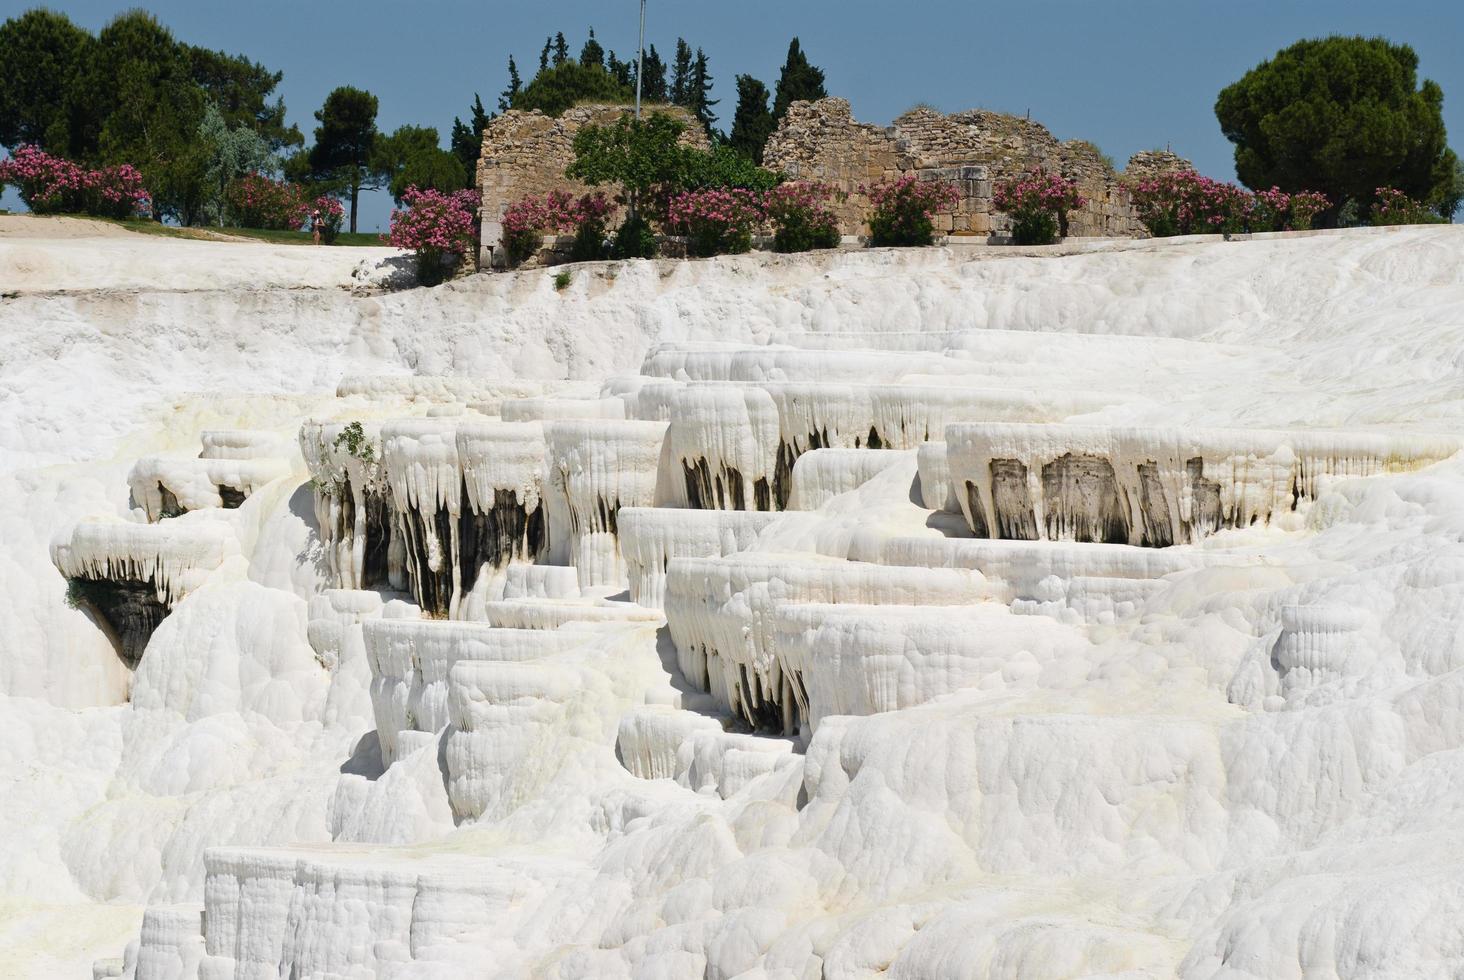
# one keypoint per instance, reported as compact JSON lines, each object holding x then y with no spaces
{"x":146,"y":227}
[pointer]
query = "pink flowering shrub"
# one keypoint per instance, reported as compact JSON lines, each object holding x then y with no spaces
{"x":905,"y":208}
{"x":800,"y":215}
{"x":1186,"y":203}
{"x":1038,"y":204}
{"x":1394,"y":207}
{"x":437,"y":226}
{"x":716,"y":221}
{"x":527,"y":221}
{"x":326,"y":216}
{"x":54,"y":185}
{"x":256,"y":201}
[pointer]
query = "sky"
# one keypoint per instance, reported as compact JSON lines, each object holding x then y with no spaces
{"x":1128,"y":75}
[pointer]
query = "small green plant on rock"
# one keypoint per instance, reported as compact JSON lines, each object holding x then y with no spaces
{"x":353,"y":439}
{"x":562,"y":281}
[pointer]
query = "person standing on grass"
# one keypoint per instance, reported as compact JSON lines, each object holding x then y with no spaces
{"x":315,"y":226}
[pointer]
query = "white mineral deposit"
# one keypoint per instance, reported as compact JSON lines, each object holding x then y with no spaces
{"x":881,"y":613}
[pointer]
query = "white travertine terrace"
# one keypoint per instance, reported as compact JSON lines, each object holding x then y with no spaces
{"x":535,"y":690}
{"x":550,"y":408}
{"x":486,"y":393}
{"x":132,"y":575}
{"x":820,"y":475}
{"x":353,"y":504}
{"x":651,"y":536}
{"x":245,"y":444}
{"x":720,"y":615}
{"x":167,"y":486}
{"x":1156,"y":486}
{"x":602,"y":466}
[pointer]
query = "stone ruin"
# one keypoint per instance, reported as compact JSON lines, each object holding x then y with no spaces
{"x":526,"y":153}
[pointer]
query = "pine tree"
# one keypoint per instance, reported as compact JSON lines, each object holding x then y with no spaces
{"x":592,"y":53}
{"x":752,"y":123}
{"x":561,"y":49}
{"x":544,"y":55}
{"x":698,"y":89}
{"x":515,"y":86}
{"x":654,"y":90}
{"x":799,"y":82}
{"x":681,"y":75}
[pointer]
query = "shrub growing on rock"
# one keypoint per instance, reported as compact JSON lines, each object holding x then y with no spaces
{"x":905,"y":209}
{"x":801,"y":218}
{"x":440,"y":228}
{"x":717,"y":221}
{"x":1038,"y":204}
{"x":257,"y":201}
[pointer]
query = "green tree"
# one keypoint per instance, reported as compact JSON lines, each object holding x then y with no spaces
{"x":681,"y":75}
{"x":241,"y":91}
{"x":698,"y":91}
{"x":515,"y":86}
{"x":1340,"y":115}
{"x":561,"y":49}
{"x":640,"y":156}
{"x":622,"y":71}
{"x":411,"y":157}
{"x":431,"y":168}
{"x":654,"y":90}
{"x":230,"y":153}
{"x":345,"y":144}
{"x":42,"y":56}
{"x":556,"y":89}
{"x":753,"y":122}
{"x":799,"y":81}
{"x":592,"y":55}
{"x":146,"y":109}
{"x":467,"y":138}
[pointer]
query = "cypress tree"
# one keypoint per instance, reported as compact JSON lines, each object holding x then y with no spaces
{"x":654,"y":90}
{"x":752,"y":123}
{"x":515,"y":86}
{"x":681,"y":75}
{"x":799,"y":82}
{"x":699,"y":87}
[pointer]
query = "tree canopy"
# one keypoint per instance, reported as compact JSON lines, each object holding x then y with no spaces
{"x":799,"y":81}
{"x":753,"y":121}
{"x":345,"y":152}
{"x":41,"y":55}
{"x":568,"y":83}
{"x":1344,"y":116}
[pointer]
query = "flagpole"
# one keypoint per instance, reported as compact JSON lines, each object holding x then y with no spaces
{"x":640,"y":60}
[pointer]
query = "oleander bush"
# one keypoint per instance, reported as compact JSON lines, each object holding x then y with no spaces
{"x":50,"y":184}
{"x":718,"y":221}
{"x":257,"y":201}
{"x":439,"y":227}
{"x":905,"y":209}
{"x":800,"y":215}
{"x":1393,"y":207}
{"x":1038,"y":204}
{"x":1186,"y":203}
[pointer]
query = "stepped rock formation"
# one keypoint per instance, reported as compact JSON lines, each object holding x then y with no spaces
{"x":898,"y":613}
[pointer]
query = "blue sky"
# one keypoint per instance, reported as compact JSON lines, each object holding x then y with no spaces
{"x":1127,"y":74}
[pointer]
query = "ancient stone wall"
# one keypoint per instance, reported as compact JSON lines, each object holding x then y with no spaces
{"x":526,"y":153}
{"x":975,"y":149}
